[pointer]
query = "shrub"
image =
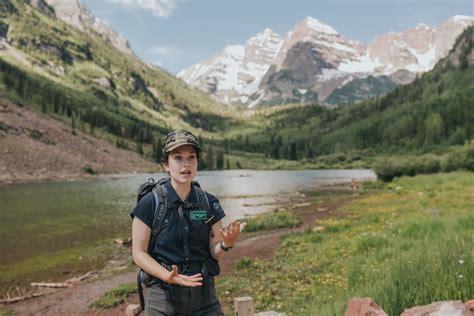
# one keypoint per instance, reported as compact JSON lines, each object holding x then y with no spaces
{"x":115,"y":296}
{"x":277,"y":219}
{"x":454,"y":161}
{"x":387,"y":169}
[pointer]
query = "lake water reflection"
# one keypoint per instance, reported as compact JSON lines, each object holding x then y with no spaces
{"x":42,"y":218}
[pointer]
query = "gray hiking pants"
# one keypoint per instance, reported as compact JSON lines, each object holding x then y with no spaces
{"x":190,"y":302}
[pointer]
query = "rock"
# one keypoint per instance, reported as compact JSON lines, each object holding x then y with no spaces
{"x":103,"y":82}
{"x":302,"y":204}
{"x":470,"y":305}
{"x":133,"y":310}
{"x":364,"y":307}
{"x":443,"y":308}
{"x":318,"y":229}
{"x":126,"y":242}
{"x":322,"y":209}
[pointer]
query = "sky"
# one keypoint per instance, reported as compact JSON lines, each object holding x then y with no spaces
{"x":175,"y":34}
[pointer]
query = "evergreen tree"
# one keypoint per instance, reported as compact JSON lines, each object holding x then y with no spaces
{"x":140,"y":147}
{"x":210,"y":159}
{"x":433,"y":129}
{"x":293,"y":152}
{"x":158,"y":151}
{"x":220,"y":160}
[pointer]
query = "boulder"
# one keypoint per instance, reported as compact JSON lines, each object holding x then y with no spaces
{"x":364,"y":307}
{"x":103,"y":82}
{"x":319,"y":229}
{"x":133,"y":310}
{"x":470,"y":305}
{"x":443,"y":308}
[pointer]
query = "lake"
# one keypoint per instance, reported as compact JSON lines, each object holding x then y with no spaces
{"x":43,"y":224}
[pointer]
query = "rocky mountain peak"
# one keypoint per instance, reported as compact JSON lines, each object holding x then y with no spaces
{"x":331,"y":45}
{"x":263,"y":47}
{"x":318,"y":26}
{"x":74,"y":13}
{"x":315,"y":58}
{"x":466,"y":20}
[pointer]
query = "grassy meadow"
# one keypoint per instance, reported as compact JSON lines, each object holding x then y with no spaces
{"x":404,"y":244}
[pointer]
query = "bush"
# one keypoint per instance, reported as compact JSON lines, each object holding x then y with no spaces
{"x":115,"y":296}
{"x":387,"y":169}
{"x":88,"y":169}
{"x":470,"y":158}
{"x":454,"y":161}
{"x":277,"y":219}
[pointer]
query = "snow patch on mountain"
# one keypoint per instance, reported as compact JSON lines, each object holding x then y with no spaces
{"x":318,"y":52}
{"x":425,"y":60}
{"x":318,"y":26}
{"x":236,"y":71}
{"x":363,"y":64}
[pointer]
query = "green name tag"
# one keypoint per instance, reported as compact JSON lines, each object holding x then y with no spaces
{"x":198,"y":215}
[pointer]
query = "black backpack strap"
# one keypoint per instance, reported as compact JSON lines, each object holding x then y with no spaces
{"x":161,"y":206}
{"x":204,"y":204}
{"x":140,"y":290}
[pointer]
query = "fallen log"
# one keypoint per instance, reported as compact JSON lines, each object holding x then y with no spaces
{"x":80,"y":278}
{"x":52,"y":285}
{"x":10,"y":300}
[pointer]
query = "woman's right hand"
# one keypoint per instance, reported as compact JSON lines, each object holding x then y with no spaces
{"x":185,"y":280}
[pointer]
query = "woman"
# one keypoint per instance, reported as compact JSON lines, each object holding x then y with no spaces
{"x":180,"y":260}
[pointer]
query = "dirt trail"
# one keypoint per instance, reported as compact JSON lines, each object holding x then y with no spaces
{"x":75,"y":300}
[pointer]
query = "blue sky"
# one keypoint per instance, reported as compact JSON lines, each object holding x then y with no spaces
{"x":174,"y":34}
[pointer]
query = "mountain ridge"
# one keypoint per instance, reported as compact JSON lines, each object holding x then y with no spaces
{"x":344,"y":60}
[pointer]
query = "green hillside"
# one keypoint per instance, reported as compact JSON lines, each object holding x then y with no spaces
{"x":81,"y":79}
{"x":361,"y":89}
{"x":431,"y":114}
{"x":85,"y":82}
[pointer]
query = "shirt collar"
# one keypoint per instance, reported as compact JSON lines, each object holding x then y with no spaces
{"x":174,"y":198}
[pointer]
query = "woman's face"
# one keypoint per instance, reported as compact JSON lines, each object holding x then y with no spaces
{"x":182,"y":164}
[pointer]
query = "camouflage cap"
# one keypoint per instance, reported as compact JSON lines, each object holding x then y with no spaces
{"x":180,"y":138}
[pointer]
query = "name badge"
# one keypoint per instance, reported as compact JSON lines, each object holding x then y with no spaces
{"x":198,"y":215}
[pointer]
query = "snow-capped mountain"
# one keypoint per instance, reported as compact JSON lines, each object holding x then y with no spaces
{"x":76,"y":14}
{"x":234,"y":74}
{"x":417,"y":49}
{"x":313,"y":59}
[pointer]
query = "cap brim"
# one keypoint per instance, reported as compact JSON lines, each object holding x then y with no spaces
{"x":181,"y":144}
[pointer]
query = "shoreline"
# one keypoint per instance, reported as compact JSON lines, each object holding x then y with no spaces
{"x":86,"y":176}
{"x":68,"y":300}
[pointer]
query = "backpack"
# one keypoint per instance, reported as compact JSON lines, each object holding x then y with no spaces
{"x":161,"y":207}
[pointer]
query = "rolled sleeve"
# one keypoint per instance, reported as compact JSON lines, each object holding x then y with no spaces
{"x":216,"y":209}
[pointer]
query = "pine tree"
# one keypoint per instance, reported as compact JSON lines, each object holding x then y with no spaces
{"x":220,"y":160}
{"x":210,"y":159}
{"x":293,"y":152}
{"x":158,"y":153}
{"x":139,"y":148}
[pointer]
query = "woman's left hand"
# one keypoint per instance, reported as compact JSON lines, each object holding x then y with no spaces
{"x":230,"y":233}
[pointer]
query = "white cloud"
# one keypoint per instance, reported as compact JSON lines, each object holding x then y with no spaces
{"x":160,"y":8}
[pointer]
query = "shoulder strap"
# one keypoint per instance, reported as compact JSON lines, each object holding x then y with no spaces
{"x":161,"y":206}
{"x":204,"y":203}
{"x":203,"y":200}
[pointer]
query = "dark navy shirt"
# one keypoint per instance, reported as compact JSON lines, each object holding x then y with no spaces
{"x":169,"y":247}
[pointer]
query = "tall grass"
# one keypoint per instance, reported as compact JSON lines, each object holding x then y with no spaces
{"x":456,"y":158}
{"x":405,"y":244}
